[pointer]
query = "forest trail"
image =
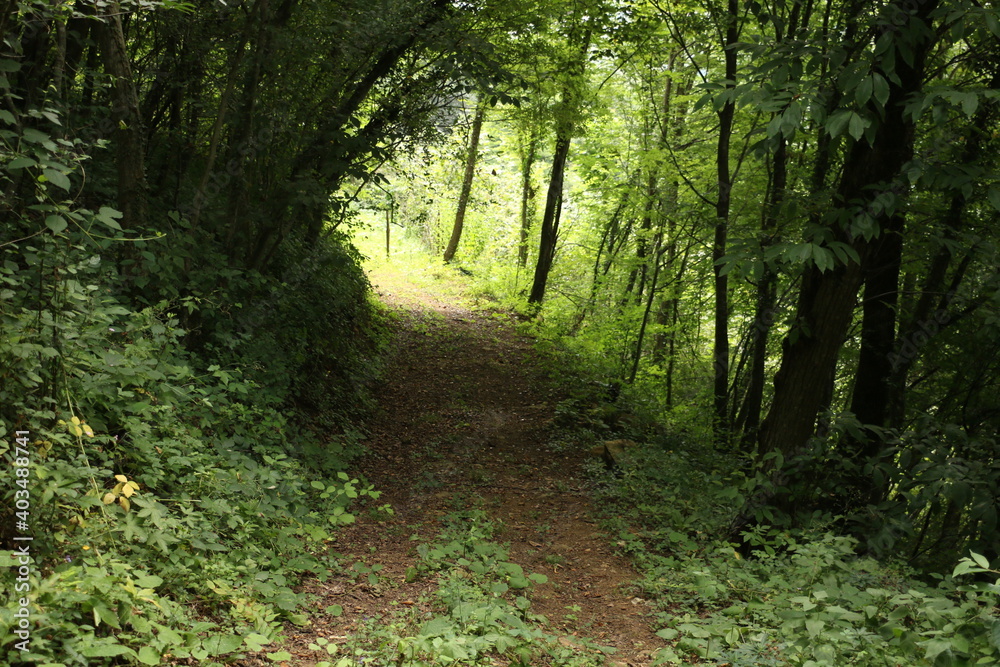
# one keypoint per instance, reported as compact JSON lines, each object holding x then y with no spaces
{"x":462,"y":423}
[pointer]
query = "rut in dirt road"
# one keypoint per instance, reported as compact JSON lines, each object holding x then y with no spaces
{"x":464,"y":419}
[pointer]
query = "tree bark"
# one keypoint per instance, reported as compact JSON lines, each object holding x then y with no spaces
{"x":549,"y":233}
{"x":550,"y":226}
{"x":765,"y":307}
{"x":720,"y":354}
{"x":470,"y":173}
{"x":527,"y":196}
{"x":131,"y":153}
{"x":827,"y":299}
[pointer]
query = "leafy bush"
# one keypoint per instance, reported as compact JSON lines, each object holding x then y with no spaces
{"x":161,"y":426}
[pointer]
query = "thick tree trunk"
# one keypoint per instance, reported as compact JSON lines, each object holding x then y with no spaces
{"x":827,"y":299}
{"x":131,"y":153}
{"x":470,"y":173}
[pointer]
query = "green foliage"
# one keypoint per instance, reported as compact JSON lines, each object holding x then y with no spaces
{"x":804,"y":597}
{"x":813,"y":602}
{"x":177,"y":481}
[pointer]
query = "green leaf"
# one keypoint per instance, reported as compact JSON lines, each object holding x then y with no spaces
{"x":167,"y":635}
{"x":108,"y":216}
{"x":299,"y":619}
{"x":335,"y":610}
{"x":219,"y":644}
{"x":7,"y":117}
{"x":934,"y":648}
{"x":992,"y":23}
{"x":881,"y":89}
{"x":856,"y":126}
{"x":814,"y":626}
{"x":837,"y":123}
{"x":255,"y":642}
{"x":21,"y":162}
{"x":102,"y":613}
{"x":823,"y":258}
{"x":863,"y":92}
{"x":667,"y":633}
{"x":56,"y":223}
{"x":970,"y":102}
{"x":9,"y":65}
{"x":34,"y":136}
{"x":148,"y":581}
{"x":436,"y":626}
{"x":57,"y":178}
{"x":279,"y":656}
{"x":994,"y":196}
{"x":981,"y":560}
{"x":105,"y":651}
{"x":149,"y":656}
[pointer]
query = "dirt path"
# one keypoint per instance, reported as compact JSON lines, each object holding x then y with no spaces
{"x":464,"y":420}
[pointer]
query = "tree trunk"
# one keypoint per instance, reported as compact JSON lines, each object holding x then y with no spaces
{"x":827,"y":299}
{"x":765,"y":307}
{"x":470,"y":173}
{"x":870,"y":399}
{"x":131,"y":154}
{"x":553,"y":198}
{"x":720,"y":385}
{"x":527,"y":197}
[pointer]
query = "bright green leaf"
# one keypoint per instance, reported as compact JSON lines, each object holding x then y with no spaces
{"x":220,"y":644}
{"x":255,"y":641}
{"x":149,"y":656}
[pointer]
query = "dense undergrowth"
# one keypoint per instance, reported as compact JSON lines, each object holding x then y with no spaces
{"x":802,"y":596}
{"x":176,"y":428}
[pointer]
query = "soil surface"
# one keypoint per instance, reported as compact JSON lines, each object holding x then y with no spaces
{"x":464,"y":418}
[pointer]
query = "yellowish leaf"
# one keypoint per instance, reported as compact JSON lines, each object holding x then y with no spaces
{"x":121,"y":478}
{"x":126,"y":505}
{"x":76,"y":421}
{"x":127,"y":490}
{"x":75,"y":430}
{"x":108,"y":498}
